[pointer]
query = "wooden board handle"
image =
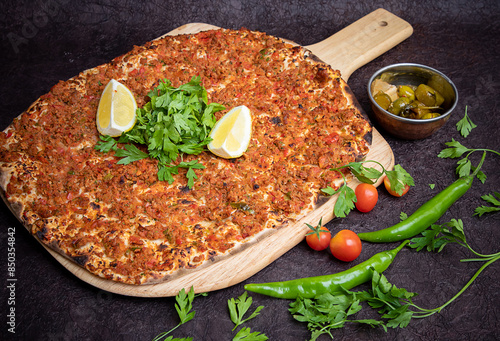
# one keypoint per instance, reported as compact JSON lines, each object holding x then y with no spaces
{"x":362,"y":41}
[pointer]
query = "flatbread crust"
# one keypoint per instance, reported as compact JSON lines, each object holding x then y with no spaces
{"x":108,"y":218}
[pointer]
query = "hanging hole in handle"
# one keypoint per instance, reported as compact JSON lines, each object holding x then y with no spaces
{"x":383,"y":23}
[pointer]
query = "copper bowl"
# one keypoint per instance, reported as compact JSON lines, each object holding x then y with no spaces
{"x":413,"y":74}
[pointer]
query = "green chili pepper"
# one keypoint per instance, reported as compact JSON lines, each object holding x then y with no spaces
{"x":311,"y":287}
{"x":423,"y":217}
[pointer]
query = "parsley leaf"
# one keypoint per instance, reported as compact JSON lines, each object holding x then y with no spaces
{"x":334,"y":310}
{"x":166,"y":172}
{"x":465,"y":125}
{"x":345,"y":200}
{"x":328,"y":190}
{"x":428,"y":239}
{"x":441,"y":235}
{"x":239,"y":307}
{"x":390,"y":301}
{"x":479,"y":174}
{"x":464,"y":167}
{"x":244,"y":334}
{"x":106,"y":144}
{"x":130,"y":154}
{"x":399,"y":178}
{"x":493,"y":199}
{"x":364,"y":174}
{"x":456,"y":150}
{"x":184,"y":304}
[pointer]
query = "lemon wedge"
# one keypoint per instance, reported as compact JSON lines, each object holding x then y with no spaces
{"x":231,"y":134}
{"x":116,"y":111}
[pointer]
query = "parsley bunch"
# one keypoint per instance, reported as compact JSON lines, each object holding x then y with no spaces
{"x":334,"y":310}
{"x":176,"y":121}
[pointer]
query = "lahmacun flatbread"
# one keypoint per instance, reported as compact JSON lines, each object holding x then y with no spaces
{"x":119,"y":221}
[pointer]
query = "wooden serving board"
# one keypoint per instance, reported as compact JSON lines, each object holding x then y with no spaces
{"x":346,"y":51}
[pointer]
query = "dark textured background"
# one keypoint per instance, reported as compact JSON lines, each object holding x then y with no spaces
{"x":59,"y":38}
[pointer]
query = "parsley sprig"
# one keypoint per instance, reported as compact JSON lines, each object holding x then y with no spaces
{"x":465,"y":125}
{"x":464,"y":165}
{"x":457,"y":150}
{"x":237,"y":310}
{"x":345,"y":200}
{"x":493,"y":199}
{"x":436,"y":237}
{"x":174,"y":122}
{"x":183,"y":306}
{"x":398,"y":178}
{"x":239,"y":307}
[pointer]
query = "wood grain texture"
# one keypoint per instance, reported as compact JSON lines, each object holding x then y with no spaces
{"x":347,"y":50}
{"x":362,"y":41}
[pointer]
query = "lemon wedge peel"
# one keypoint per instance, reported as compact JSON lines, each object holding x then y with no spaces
{"x":116,"y":112}
{"x":231,"y":133}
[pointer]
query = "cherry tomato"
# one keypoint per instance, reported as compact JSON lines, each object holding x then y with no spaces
{"x":321,"y":243}
{"x":345,"y":246}
{"x":366,"y":197}
{"x":387,"y":185}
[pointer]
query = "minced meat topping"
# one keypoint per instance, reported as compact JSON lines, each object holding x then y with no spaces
{"x":119,"y":221}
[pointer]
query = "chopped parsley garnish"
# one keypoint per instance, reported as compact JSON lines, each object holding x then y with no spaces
{"x":176,"y":121}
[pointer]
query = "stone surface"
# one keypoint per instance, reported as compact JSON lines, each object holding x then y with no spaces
{"x":49,"y":40}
